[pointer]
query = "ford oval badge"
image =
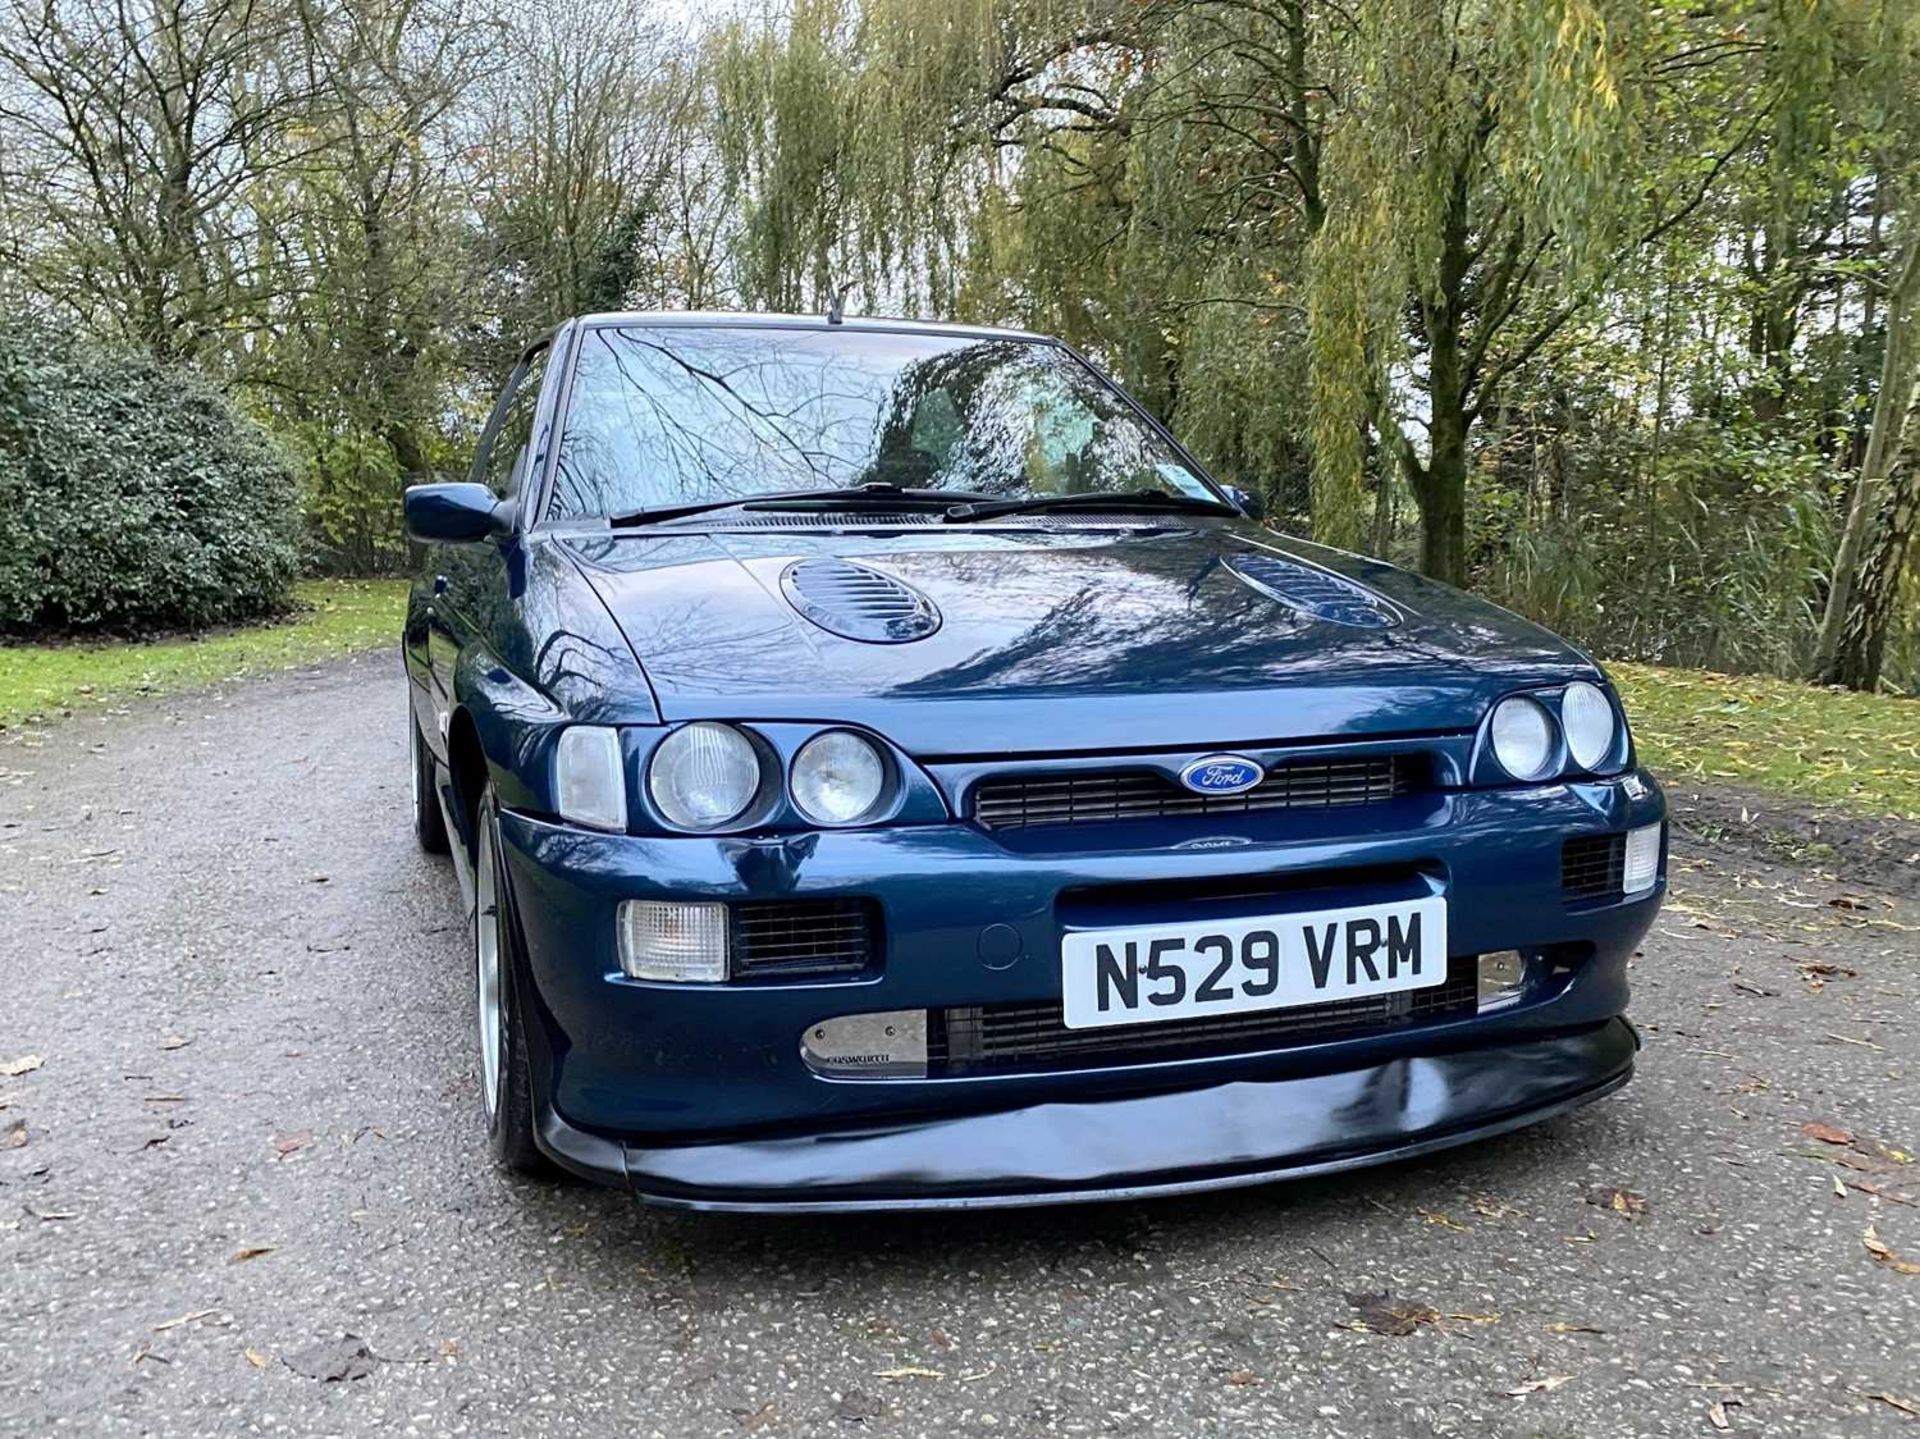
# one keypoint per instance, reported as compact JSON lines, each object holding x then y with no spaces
{"x":1222,"y":774}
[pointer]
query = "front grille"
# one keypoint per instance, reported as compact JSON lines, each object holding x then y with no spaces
{"x":1000,"y":1037}
{"x":790,"y":937}
{"x":1082,"y":797}
{"x":1591,"y":867}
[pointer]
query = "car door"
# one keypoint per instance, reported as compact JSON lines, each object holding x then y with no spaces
{"x":469,"y":581}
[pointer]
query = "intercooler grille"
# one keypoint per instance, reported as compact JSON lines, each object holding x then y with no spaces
{"x":988,"y":1038}
{"x":1592,"y":866}
{"x":1083,"y":797}
{"x":786,"y":937}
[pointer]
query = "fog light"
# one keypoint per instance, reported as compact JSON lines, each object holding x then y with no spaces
{"x":892,"y":1044}
{"x":1503,"y":979}
{"x":662,"y":940}
{"x":1642,"y":867}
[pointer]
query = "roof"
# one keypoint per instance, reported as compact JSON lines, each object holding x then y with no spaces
{"x":762,"y":319}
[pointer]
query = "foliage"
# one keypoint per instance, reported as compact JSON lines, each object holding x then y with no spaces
{"x":1711,"y":561}
{"x":332,"y":618}
{"x":132,"y":495}
{"x":1824,"y":744}
{"x":1584,"y":302}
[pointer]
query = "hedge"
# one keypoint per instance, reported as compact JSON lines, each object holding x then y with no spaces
{"x":133,"y":496}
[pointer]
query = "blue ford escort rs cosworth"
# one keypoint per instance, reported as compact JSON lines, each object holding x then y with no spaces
{"x":885,"y":770}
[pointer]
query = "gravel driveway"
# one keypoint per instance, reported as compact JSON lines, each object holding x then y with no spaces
{"x":254,"y":1129}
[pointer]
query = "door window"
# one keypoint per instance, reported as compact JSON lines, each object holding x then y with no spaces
{"x":508,"y":451}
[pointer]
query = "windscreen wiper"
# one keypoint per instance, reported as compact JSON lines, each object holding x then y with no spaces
{"x":852,"y":497}
{"x":1091,"y":500}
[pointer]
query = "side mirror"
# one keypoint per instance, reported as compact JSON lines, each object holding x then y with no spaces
{"x":1251,"y":505}
{"x":456,"y":514}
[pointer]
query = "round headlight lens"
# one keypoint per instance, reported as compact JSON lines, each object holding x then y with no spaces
{"x":703,"y":775}
{"x":1588,"y":721}
{"x":838,"y":778}
{"x":1522,"y":738}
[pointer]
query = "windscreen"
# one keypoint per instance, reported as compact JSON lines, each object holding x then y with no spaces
{"x":675,"y":415}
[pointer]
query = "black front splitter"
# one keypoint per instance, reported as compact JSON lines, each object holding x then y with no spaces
{"x":1068,"y":1152}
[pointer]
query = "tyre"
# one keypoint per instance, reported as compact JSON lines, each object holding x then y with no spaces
{"x":506,"y":1078}
{"x":429,"y":823}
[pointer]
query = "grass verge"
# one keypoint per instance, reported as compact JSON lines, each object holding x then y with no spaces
{"x":1857,"y":750}
{"x":336,"y":617}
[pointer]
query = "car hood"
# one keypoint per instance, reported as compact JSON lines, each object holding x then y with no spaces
{"x":1063,"y":640}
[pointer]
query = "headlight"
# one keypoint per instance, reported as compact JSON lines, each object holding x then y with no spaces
{"x":838,"y":778}
{"x":1588,"y":721}
{"x":1522,"y":738}
{"x":589,"y":780}
{"x":703,"y":775}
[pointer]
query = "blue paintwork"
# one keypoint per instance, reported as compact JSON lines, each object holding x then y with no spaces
{"x":1057,"y":649}
{"x":455,"y":513}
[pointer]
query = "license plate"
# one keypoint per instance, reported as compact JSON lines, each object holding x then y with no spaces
{"x":1148,"y":972}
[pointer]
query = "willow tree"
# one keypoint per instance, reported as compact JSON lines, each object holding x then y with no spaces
{"x":1492,"y":166}
{"x":1881,"y":98}
{"x":1102,"y":169}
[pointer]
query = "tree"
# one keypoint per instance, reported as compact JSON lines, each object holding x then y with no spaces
{"x":138,"y":128}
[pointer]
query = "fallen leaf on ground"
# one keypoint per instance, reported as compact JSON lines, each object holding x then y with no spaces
{"x":1880,"y":1250}
{"x":1845,"y":1039}
{"x":1435,"y":1217}
{"x":1717,"y":1413}
{"x":333,"y":1360}
{"x":1383,"y":1314}
{"x":257,"y":1359}
{"x":910,"y":1371}
{"x":1624,"y":1202}
{"x":1905,"y":1406}
{"x":175,"y":1041}
{"x":285,"y":1144}
{"x":1847,"y":901}
{"x":1560,"y":1326}
{"x":1543,"y":1385}
{"x":14,"y":1135}
{"x":25,"y":1064}
{"x":1474,"y":1318}
{"x":1867,"y":1186}
{"x":1839,"y":1187}
{"x":857,"y":1408}
{"x":184,"y":1319}
{"x":51,"y":1213}
{"x":1826,"y":1133}
{"x":1243,"y":1377}
{"x":252,"y":1251}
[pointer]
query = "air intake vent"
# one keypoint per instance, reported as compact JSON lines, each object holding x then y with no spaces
{"x":1087,"y":796}
{"x":1591,"y":868}
{"x":1034,"y":1037}
{"x":792,"y":938}
{"x":1314,"y":593}
{"x":858,"y":603}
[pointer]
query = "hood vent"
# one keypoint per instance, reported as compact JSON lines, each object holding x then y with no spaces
{"x":1314,"y":593}
{"x":858,"y":603}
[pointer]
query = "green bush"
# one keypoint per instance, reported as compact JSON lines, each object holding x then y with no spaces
{"x":133,"y":497}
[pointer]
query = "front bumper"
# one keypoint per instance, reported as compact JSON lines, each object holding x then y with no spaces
{"x":1185,"y":1142}
{"x":699,"y":1094}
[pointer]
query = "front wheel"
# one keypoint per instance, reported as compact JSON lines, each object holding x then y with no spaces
{"x":506,"y":1080}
